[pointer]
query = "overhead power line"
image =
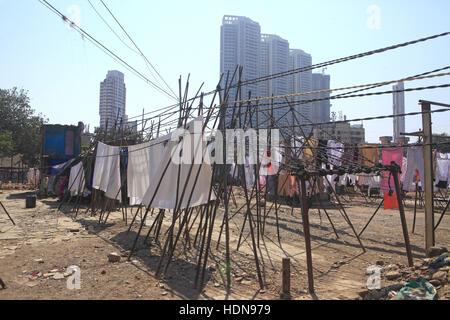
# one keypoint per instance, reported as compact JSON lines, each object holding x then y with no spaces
{"x":134,"y":43}
{"x":104,"y":48}
{"x":321,"y":65}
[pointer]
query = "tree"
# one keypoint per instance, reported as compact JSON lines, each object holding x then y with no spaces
{"x":443,"y":142}
{"x":6,"y":144}
{"x":19,"y":121}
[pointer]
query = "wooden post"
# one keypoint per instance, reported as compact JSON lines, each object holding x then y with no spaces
{"x":307,"y":235}
{"x":402,"y":215}
{"x":415,"y":208}
{"x":428,"y":175}
{"x":286,"y":279}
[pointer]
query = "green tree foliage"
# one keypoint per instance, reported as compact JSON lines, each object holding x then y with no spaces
{"x":443,"y":142}
{"x":6,"y":144}
{"x":19,"y":121}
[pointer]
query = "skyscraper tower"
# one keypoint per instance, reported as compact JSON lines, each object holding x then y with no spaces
{"x":273,"y":59}
{"x":240,"y":39}
{"x":398,"y":108}
{"x":301,"y":82}
{"x":321,"y":109}
{"x":112,"y":100}
{"x":239,"y":45}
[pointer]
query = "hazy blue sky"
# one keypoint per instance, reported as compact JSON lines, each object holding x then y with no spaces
{"x":62,"y":71}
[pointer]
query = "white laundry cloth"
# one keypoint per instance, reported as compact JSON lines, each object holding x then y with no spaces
{"x":138,"y":172}
{"x":107,"y":170}
{"x":33,"y":176}
{"x":442,"y":170}
{"x":166,"y":170}
{"x":334,"y":152}
{"x":76,"y":179}
{"x":414,"y":161}
{"x":374,"y":182}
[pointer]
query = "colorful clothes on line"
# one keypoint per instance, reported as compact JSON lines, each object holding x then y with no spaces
{"x":390,"y":154}
{"x":390,"y":201}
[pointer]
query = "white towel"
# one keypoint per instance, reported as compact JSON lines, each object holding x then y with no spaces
{"x":138,"y":172}
{"x":442,"y":170}
{"x":107,"y":170}
{"x":76,"y":179}
{"x":161,"y":151}
{"x":335,"y":152}
{"x":414,"y":161}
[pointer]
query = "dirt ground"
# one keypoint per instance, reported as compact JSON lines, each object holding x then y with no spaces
{"x":45,"y":241}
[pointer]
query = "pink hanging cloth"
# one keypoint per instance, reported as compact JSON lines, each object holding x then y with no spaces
{"x":388,"y":155}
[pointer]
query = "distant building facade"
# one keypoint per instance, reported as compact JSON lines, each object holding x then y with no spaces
{"x":321,"y":109}
{"x":112,"y":100}
{"x":273,"y":59}
{"x":301,"y":82}
{"x":342,"y":132}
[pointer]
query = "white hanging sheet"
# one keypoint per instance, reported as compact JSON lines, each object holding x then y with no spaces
{"x":107,"y":170}
{"x":161,"y":151}
{"x":138,"y":172}
{"x":76,"y":179}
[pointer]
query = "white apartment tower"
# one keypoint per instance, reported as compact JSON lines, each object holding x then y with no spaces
{"x":301,"y":82}
{"x":398,"y":108}
{"x":112,"y":100}
{"x":240,"y":38}
{"x":273,"y":59}
{"x":321,"y":109}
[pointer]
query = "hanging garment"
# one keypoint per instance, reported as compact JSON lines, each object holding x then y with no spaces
{"x":63,"y":186}
{"x":442,"y":170}
{"x":76,"y":179}
{"x":404,"y":169}
{"x":107,"y":171}
{"x":370,"y":155}
{"x":335,"y":152}
{"x":313,"y":143}
{"x":390,"y":201}
{"x":374,"y":182}
{"x":169,"y":174}
{"x":138,"y":172}
{"x":414,"y":162}
{"x":33,"y":176}
{"x":347,"y":157}
{"x":390,"y":154}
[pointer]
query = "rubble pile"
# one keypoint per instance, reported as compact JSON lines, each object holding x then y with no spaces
{"x":428,"y":279}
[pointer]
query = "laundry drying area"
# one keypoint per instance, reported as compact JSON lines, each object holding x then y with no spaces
{"x":36,"y":252}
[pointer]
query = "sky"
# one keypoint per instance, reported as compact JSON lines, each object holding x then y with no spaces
{"x":62,"y":71}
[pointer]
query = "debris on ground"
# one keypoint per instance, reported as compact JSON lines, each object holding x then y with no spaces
{"x":113,"y":257}
{"x":427,"y":280}
{"x":418,"y":290}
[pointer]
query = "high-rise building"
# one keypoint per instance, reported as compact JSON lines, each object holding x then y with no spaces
{"x":301,"y":82}
{"x":112,"y":100}
{"x":398,"y":108}
{"x":273,"y":59}
{"x":239,"y":45}
{"x":321,"y":109}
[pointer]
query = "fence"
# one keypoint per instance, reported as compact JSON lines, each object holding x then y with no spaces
{"x":15,"y":175}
